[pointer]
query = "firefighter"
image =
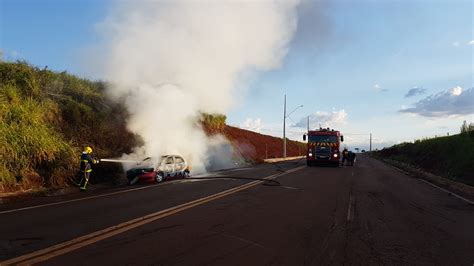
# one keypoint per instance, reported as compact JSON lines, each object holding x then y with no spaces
{"x":345,"y":155}
{"x":352,"y":158}
{"x":86,"y":166}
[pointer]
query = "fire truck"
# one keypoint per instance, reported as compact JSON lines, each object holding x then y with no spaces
{"x":324,"y":146}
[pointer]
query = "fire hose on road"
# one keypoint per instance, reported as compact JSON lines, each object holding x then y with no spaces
{"x":124,"y":161}
{"x":266,"y":182}
{"x":119,"y":161}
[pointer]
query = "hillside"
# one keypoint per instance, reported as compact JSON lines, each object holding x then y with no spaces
{"x":46,"y":118}
{"x":253,"y":146}
{"x":259,"y":147}
{"x":451,"y":156}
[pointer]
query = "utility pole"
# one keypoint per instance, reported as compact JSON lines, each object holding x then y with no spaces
{"x":308,"y":123}
{"x":284,"y":124}
{"x":370,"y":148}
{"x":284,"y":128}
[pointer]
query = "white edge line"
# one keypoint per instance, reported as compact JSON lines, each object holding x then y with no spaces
{"x":447,"y":191}
{"x":79,"y":199}
{"x":431,"y":184}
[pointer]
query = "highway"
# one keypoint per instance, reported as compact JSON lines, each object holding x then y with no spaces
{"x":369,"y":214}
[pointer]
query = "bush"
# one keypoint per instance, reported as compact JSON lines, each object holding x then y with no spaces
{"x":467,"y":129}
{"x":29,"y":143}
{"x":213,"y":122}
{"x":449,"y":156}
{"x":46,"y":118}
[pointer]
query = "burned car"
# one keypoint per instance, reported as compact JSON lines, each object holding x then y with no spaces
{"x":168,"y":166}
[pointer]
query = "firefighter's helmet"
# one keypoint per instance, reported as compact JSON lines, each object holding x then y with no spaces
{"x":88,"y":150}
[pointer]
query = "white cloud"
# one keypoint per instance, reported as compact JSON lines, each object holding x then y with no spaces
{"x":363,"y":142}
{"x":333,"y":119}
{"x":471,"y":42}
{"x":414,"y":91}
{"x":456,"y":91}
{"x":326,"y":119}
{"x":455,"y":44}
{"x":378,"y":88}
{"x":252,"y":124}
{"x":452,"y":102}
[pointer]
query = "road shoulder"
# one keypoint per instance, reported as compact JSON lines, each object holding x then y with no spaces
{"x":447,"y":185}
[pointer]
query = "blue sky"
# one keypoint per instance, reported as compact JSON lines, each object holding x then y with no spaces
{"x":350,"y":64}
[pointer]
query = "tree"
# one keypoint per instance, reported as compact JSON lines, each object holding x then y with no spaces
{"x":466,"y":129}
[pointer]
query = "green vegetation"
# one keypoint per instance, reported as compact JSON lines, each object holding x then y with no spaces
{"x":213,"y":122}
{"x":45,"y":120}
{"x":450,"y":156}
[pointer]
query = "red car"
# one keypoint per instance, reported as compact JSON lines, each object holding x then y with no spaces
{"x":168,"y":166}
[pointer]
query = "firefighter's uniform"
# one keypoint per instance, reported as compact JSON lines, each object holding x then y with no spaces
{"x":86,"y":166}
{"x":351,"y":158}
{"x":345,"y":156}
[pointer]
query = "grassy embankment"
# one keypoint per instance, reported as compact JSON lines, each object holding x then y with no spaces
{"x":451,"y":156}
{"x":46,"y":118}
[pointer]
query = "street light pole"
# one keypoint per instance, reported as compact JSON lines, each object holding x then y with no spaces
{"x":370,"y":148}
{"x":284,"y":128}
{"x":284,"y":124}
{"x":308,"y":123}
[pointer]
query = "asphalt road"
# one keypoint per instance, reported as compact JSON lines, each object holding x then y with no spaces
{"x":369,"y":214}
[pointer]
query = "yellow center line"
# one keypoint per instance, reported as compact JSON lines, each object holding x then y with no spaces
{"x":74,"y":244}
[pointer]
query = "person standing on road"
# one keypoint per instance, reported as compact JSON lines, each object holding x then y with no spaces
{"x":86,"y":166}
{"x":345,"y":155}
{"x":352,"y":158}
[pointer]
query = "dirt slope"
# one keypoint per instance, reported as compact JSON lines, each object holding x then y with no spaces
{"x":256,"y":147}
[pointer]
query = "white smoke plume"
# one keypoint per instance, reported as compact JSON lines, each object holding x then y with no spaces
{"x":170,"y":60}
